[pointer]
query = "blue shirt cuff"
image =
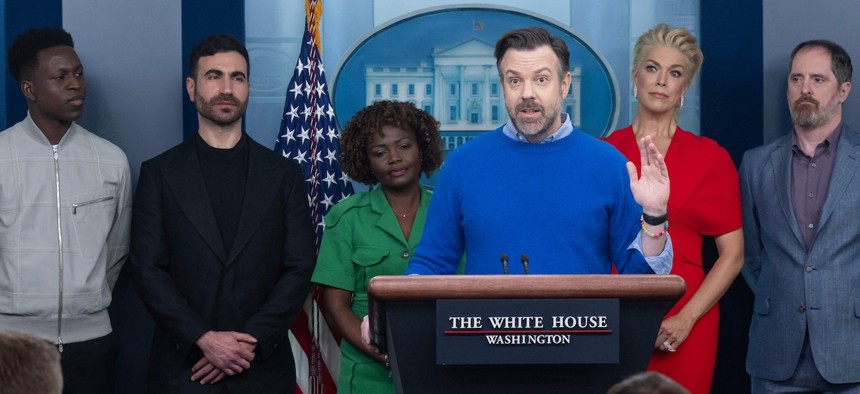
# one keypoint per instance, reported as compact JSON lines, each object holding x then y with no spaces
{"x":661,"y":263}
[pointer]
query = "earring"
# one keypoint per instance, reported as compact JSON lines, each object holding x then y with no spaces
{"x":635,"y":93}
{"x":681,"y":104}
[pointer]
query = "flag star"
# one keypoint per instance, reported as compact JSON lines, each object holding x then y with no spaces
{"x":299,"y":66}
{"x":293,"y":113}
{"x":289,"y":135}
{"x":320,"y":89}
{"x":307,"y":112}
{"x":285,"y":153}
{"x":300,"y":157}
{"x":327,"y":201}
{"x":297,"y":88}
{"x":330,"y":112}
{"x":329,"y":178}
{"x":304,"y":135}
{"x":308,"y":88}
{"x":343,"y":178}
{"x":331,"y":156}
{"x":319,"y":111}
{"x":332,"y":134}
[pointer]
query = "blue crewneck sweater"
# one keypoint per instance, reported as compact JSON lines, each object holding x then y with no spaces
{"x":567,"y":205}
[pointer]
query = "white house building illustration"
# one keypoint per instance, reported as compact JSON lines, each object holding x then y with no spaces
{"x":460,"y":88}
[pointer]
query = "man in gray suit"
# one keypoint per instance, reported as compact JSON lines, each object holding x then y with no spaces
{"x":801,"y":207}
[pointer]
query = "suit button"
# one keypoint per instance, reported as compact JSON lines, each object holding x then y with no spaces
{"x":808,"y":268}
{"x":405,"y":254}
{"x":801,"y":309}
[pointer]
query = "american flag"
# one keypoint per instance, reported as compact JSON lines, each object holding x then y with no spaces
{"x":309,"y":135}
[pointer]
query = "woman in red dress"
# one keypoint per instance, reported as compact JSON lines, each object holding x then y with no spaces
{"x":704,"y":201}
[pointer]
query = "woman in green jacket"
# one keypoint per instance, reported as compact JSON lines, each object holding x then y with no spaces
{"x":374,"y":233}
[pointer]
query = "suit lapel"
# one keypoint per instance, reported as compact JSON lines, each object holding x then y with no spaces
{"x":185,"y":178}
{"x":844,"y":170}
{"x":780,"y":160}
{"x":263,"y":184}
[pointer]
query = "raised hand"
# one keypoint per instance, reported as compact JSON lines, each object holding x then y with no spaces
{"x":651,"y":189}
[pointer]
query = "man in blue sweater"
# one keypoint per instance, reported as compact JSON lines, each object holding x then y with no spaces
{"x":539,"y":187}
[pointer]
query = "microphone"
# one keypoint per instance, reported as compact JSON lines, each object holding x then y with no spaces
{"x":525,"y":260}
{"x":504,"y":259}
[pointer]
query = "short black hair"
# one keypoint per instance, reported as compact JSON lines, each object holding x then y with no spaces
{"x":840,"y":62}
{"x":23,"y":55}
{"x":216,"y":44}
{"x":531,"y":38}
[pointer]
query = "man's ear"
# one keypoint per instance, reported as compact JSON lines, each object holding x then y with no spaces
{"x":844,"y":90}
{"x":27,"y":90}
{"x":189,"y":87}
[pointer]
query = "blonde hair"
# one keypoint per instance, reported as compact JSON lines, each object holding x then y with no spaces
{"x":678,"y":38}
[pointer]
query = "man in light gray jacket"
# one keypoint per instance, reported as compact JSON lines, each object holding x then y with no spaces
{"x":65,"y":199}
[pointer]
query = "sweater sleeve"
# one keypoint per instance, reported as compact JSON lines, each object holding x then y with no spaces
{"x":442,"y":245}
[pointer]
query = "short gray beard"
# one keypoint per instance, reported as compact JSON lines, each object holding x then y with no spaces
{"x":812,"y":119}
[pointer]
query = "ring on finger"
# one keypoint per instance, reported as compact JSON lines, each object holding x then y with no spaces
{"x":668,"y":347}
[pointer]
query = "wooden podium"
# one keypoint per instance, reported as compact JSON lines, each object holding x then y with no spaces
{"x":402,"y":312}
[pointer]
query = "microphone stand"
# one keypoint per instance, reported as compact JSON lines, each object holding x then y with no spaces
{"x":504,"y":260}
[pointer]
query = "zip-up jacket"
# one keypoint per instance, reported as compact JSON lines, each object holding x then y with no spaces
{"x":64,"y":231}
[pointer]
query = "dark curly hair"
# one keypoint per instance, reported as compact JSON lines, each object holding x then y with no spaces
{"x":23,"y":55}
{"x":368,"y":122}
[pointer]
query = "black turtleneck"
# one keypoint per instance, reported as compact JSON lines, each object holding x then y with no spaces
{"x":225,"y":172}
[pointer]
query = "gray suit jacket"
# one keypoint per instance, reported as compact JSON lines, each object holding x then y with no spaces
{"x":798,"y":289}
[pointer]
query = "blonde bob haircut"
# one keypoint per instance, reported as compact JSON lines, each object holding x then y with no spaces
{"x":673,"y":37}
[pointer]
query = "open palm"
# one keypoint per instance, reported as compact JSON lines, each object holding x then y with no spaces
{"x":651,"y":189}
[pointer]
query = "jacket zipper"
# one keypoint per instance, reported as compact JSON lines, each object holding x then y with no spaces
{"x":60,"y":244}
{"x":77,"y":205}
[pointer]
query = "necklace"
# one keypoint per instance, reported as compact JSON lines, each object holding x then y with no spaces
{"x":405,"y":215}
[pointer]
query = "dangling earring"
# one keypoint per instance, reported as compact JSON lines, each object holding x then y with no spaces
{"x":681,"y":104}
{"x":635,"y":93}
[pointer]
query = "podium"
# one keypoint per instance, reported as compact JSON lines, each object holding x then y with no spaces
{"x":403,"y":322}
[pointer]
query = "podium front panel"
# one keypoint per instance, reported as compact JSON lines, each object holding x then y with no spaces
{"x":412,"y":353}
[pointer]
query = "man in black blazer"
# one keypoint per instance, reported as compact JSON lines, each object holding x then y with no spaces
{"x":222,"y":244}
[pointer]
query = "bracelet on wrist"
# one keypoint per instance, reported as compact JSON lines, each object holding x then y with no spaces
{"x":655,"y":220}
{"x":650,"y":234}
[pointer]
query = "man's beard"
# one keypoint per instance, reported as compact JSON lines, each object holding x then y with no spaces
{"x":807,"y":112}
{"x":539,"y":126}
{"x":206,"y":109}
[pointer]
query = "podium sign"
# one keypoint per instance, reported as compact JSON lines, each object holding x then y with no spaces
{"x":527,"y":331}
